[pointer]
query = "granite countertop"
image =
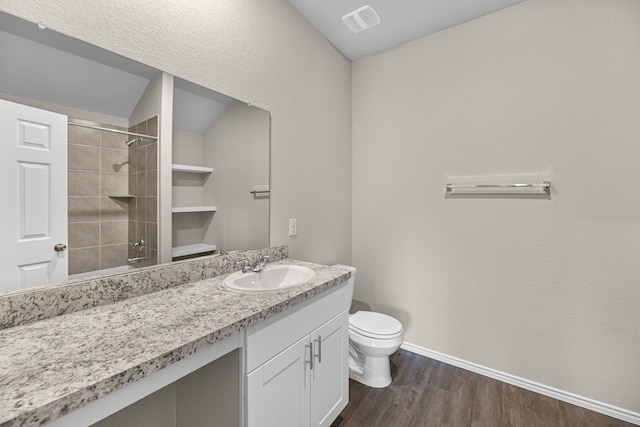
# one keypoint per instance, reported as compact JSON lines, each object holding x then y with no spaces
{"x":51,"y":367}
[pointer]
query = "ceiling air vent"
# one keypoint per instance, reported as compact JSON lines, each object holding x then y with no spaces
{"x":361,"y":19}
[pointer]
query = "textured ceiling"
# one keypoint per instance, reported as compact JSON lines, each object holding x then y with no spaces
{"x":48,"y":66}
{"x":401,"y":20}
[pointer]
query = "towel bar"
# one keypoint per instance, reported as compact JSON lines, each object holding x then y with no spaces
{"x":544,"y":188}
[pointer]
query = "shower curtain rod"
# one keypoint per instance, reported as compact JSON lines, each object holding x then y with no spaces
{"x":113,"y":130}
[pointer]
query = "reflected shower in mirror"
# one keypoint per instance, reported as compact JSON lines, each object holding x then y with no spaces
{"x":118,"y":132}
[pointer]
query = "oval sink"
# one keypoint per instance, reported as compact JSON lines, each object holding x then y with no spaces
{"x":271,"y":278}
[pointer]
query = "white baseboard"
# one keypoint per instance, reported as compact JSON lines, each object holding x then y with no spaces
{"x":603,"y":408}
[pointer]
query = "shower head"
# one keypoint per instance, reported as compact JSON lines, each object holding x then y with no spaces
{"x":136,"y":139}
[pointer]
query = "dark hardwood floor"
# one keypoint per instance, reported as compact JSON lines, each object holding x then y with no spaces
{"x":425,"y":392}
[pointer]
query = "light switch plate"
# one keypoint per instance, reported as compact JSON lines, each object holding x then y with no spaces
{"x":293,"y":227}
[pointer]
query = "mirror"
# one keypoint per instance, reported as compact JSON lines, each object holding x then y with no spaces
{"x":149,"y":180}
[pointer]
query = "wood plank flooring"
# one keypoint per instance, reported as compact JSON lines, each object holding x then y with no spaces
{"x":426,"y":393}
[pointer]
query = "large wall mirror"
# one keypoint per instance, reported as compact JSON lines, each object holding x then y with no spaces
{"x":110,"y":164}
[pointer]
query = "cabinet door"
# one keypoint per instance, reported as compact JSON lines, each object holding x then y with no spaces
{"x":278,"y":391}
{"x":330,"y":374}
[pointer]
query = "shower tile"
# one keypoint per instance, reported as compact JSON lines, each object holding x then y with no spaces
{"x":114,"y":184}
{"x":144,"y":253}
{"x":132,"y":183}
{"x":152,"y":156}
{"x":134,"y":253}
{"x":141,"y":184}
{"x":84,"y":136}
{"x":141,"y":128}
{"x":132,"y":231}
{"x":83,"y":260}
{"x":141,"y":214}
{"x":113,"y":256}
{"x":152,"y":130}
{"x":112,"y":209}
{"x":84,"y":235}
{"x":151,"y":258}
{"x":152,"y":209}
{"x":152,"y":126}
{"x":113,"y":232}
{"x":83,"y":157}
{"x":83,"y":209}
{"x":84,"y":183}
{"x":114,"y":140}
{"x":132,"y":164}
{"x":114,"y":161}
{"x":140,"y":158}
{"x":152,"y":182}
{"x":141,"y":233}
{"x":152,"y":235}
{"x":133,"y":208}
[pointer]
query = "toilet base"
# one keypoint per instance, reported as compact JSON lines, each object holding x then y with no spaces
{"x":375,"y":372}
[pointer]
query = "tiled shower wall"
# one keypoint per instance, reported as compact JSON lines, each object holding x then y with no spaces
{"x":112,"y":197}
{"x":143,"y":183}
{"x":98,"y":218}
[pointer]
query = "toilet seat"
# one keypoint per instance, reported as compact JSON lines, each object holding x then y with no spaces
{"x":375,"y":325}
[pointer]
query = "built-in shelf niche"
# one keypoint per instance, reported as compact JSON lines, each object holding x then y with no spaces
{"x":194,"y":204}
{"x":191,"y":169}
{"x":186,"y":250}
{"x":189,"y":209}
{"x":192,"y":216}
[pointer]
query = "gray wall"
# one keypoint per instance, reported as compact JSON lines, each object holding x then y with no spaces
{"x":546,"y":290}
{"x":237,"y":146}
{"x":261,"y":52}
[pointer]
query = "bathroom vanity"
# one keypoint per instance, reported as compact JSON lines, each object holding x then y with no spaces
{"x":287,"y":349}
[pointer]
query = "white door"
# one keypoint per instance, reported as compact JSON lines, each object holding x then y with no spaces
{"x":330,"y":374}
{"x":278,"y":391}
{"x":33,"y":190}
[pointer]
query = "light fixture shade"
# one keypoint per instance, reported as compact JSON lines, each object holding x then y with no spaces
{"x":361,"y":19}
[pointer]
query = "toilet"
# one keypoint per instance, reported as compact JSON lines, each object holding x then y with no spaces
{"x":373,"y":337}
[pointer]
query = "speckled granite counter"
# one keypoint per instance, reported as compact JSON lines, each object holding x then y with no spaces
{"x":50,"y":367}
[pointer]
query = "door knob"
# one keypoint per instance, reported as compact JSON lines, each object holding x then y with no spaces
{"x":60,"y":247}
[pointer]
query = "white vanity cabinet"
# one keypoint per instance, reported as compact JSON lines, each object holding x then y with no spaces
{"x":330,"y":373}
{"x":297,"y":365}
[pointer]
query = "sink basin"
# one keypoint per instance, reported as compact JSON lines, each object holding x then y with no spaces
{"x":271,"y":278}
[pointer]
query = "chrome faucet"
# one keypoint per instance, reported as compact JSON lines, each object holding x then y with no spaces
{"x":139,"y":244}
{"x":257,"y":267}
{"x":246,"y":267}
{"x":260,"y":264}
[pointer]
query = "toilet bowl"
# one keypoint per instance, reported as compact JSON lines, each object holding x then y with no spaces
{"x":373,"y":337}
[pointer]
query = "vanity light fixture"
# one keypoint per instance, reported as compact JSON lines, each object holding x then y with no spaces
{"x":361,"y":19}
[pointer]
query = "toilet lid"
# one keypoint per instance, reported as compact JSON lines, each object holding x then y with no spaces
{"x":377,"y":325}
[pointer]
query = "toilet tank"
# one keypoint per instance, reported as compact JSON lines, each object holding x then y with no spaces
{"x":353,"y":271}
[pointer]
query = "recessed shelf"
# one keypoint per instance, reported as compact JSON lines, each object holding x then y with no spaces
{"x":198,"y":248}
{"x":191,"y":169}
{"x":121,"y":196}
{"x":186,"y":209}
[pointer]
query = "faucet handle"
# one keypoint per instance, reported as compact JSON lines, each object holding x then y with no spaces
{"x":244,"y":263}
{"x":265,"y":258}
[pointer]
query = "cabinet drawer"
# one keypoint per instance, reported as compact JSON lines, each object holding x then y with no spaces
{"x":268,"y":338}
